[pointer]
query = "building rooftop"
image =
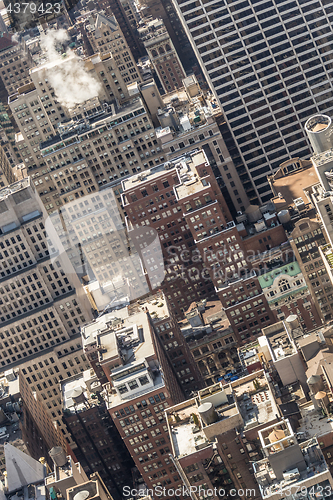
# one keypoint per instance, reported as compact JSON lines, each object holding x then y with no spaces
{"x":316,"y":469}
{"x":188,"y":430}
{"x":267,"y":279}
{"x":248,"y":354}
{"x":255,"y":400}
{"x":9,"y":385}
{"x":79,"y":391}
{"x":139,"y":180}
{"x":209,"y":311}
{"x":124,"y":343}
{"x":204,"y":322}
{"x":312,"y":423}
{"x":179,"y":96}
{"x":23,"y":470}
{"x":151,"y":30}
{"x":14,"y":188}
{"x":94,"y":118}
{"x":108,"y":332}
{"x":323,"y":357}
{"x":291,"y":186}
{"x":64,"y":59}
{"x":190,"y":184}
{"x":187,"y":437}
{"x":65,"y":472}
{"x":186,"y":115}
{"x":291,"y":393}
{"x":109,"y":22}
{"x":181,"y":166}
{"x":245,"y":403}
{"x":248,"y":274}
{"x":278,"y":340}
{"x":318,"y":193}
{"x":6,"y":41}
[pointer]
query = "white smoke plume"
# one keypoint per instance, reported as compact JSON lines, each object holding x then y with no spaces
{"x":71,"y":82}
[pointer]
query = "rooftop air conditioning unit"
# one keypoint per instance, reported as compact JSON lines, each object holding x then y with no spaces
{"x":291,"y":474}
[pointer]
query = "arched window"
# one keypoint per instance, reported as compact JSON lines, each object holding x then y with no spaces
{"x":154,"y":53}
{"x":161,"y":50}
{"x":167,"y":47}
{"x":284,"y":285}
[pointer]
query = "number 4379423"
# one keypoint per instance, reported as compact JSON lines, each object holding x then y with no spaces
{"x":32,"y":8}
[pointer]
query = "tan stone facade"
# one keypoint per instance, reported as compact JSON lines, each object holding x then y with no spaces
{"x":43,"y":303}
{"x":15,"y":62}
{"x":106,"y":36}
{"x":305,"y":239}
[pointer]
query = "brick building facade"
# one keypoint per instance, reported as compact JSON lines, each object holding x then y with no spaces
{"x":202,"y":248}
{"x":97,"y":443}
{"x":141,"y":383}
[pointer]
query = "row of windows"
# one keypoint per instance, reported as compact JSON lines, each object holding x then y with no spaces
{"x":128,"y":410}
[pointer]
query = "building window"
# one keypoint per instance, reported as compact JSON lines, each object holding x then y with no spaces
{"x":284,"y":285}
{"x":144,"y":380}
{"x":122,"y":389}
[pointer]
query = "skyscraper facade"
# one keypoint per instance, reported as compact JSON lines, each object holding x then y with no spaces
{"x":269,"y":64}
{"x":42,"y":304}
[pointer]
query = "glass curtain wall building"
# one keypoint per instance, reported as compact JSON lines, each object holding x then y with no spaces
{"x":270,"y":65}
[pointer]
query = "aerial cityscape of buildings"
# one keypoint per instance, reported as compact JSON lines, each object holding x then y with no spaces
{"x":166,"y":250}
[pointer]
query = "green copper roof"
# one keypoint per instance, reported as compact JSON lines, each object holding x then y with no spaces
{"x":267,"y":279}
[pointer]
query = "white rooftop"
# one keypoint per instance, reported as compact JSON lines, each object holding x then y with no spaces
{"x":313,"y":423}
{"x":125,"y":336}
{"x":22,"y":469}
{"x":53,"y":63}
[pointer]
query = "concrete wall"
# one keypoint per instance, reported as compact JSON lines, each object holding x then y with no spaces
{"x":291,"y":369}
{"x":289,"y":458}
{"x":223,"y":425}
{"x":257,"y":244}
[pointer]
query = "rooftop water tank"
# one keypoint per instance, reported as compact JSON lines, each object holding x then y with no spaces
{"x":277,"y":435}
{"x":319,"y":131}
{"x":82,"y":495}
{"x":315,"y":384}
{"x":208,"y":413}
{"x":284,"y":216}
{"x":322,"y":398}
{"x":292,"y":321}
{"x":253,"y":213}
{"x":58,"y":456}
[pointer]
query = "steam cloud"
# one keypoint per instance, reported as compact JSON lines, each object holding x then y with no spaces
{"x":71,"y":82}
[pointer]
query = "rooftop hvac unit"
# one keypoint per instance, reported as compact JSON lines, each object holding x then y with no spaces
{"x":299,"y":204}
{"x":291,"y":474}
{"x":10,"y":375}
